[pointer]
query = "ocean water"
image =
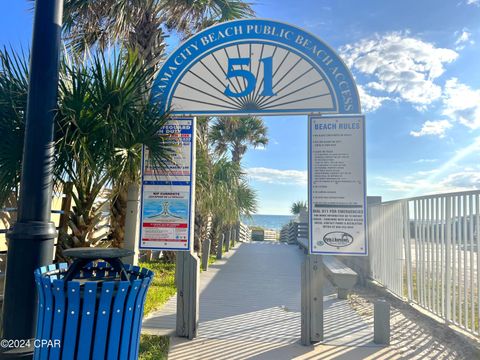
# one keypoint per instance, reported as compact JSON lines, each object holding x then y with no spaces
{"x":272,"y":222}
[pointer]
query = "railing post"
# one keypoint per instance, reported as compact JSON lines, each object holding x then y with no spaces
{"x":381,"y":322}
{"x":205,"y":253}
{"x":227,"y":240}
{"x":448,"y":244}
{"x":234,"y":234}
{"x":408,"y":247}
{"x":220,"y":247}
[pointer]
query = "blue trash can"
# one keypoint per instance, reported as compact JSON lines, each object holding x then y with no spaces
{"x":91,"y":309}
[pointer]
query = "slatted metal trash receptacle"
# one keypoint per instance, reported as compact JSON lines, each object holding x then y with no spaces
{"x":93,"y":309}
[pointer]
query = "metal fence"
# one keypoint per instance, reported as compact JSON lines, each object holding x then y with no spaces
{"x":426,"y":250}
{"x":385,"y":234}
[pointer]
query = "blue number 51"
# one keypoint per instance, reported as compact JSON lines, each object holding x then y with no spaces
{"x":250,"y":79}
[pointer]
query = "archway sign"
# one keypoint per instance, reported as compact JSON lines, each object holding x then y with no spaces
{"x":259,"y":67}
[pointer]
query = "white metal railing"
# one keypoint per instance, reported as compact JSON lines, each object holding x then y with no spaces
{"x":244,"y":233}
{"x":426,"y":249}
{"x":385,"y":234}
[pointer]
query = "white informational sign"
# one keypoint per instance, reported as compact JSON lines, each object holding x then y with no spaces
{"x":337,"y":196}
{"x":167,"y":198}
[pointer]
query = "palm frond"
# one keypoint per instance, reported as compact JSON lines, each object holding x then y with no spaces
{"x":236,"y":134}
{"x":190,"y":16}
{"x":13,"y":103}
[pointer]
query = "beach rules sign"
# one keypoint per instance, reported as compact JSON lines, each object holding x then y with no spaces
{"x":167,"y":191}
{"x":337,"y":195}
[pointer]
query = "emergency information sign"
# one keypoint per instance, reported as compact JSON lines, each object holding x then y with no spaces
{"x":337,"y":195}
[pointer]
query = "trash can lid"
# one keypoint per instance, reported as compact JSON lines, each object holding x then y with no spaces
{"x":97,"y":253}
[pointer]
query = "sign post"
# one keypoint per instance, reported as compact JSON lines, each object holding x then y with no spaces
{"x":167,"y":216}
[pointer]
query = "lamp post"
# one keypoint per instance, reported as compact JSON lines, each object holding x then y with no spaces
{"x":31,"y":240}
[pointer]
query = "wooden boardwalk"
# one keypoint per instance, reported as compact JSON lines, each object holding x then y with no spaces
{"x":250,"y":309}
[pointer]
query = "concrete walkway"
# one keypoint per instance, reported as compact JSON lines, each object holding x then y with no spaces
{"x":250,"y":309}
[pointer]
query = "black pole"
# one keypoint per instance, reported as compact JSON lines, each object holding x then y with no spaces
{"x":31,"y":240}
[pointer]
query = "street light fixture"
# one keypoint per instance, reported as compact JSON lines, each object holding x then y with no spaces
{"x":31,"y":240}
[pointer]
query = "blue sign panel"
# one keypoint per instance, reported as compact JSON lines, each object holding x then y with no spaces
{"x":255,"y":67}
{"x":167,"y":192}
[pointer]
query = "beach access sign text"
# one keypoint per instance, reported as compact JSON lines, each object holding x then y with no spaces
{"x":255,"y":66}
{"x":167,"y":191}
{"x":337,"y":202}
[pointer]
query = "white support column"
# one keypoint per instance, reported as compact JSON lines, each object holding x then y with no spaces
{"x":131,"y":223}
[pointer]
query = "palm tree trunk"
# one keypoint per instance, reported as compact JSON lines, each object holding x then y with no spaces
{"x":118,"y":211}
{"x":236,"y":154}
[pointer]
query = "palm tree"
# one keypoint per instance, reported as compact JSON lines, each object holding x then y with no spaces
{"x":13,"y":102}
{"x":104,"y":120}
{"x":236,"y":134}
{"x":232,"y":197}
{"x":140,"y":25}
{"x":222,"y":193}
{"x":298,"y":207}
{"x":191,"y":16}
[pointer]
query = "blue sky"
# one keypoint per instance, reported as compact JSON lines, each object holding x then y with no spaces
{"x":416,"y":65}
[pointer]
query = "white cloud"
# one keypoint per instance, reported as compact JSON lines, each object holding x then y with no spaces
{"x":462,"y":103}
{"x":436,"y":128}
{"x":464,"y":180}
{"x":421,"y":161}
{"x":277,"y":176}
{"x":400,"y":65}
{"x":260,"y":147}
{"x":473,"y":2}
{"x":455,"y":174}
{"x":369,"y":102}
{"x":468,"y":179}
{"x":463,"y":37}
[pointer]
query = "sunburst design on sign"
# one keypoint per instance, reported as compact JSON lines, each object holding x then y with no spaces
{"x":253,"y":77}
